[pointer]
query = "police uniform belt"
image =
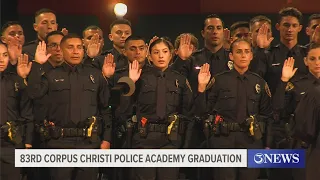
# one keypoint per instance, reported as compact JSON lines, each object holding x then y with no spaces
{"x":157,"y":128}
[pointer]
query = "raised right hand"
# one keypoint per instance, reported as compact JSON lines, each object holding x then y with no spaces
{"x":262,"y":37}
{"x":134,"y":71}
{"x":185,"y":48}
{"x":23,"y":67}
{"x":109,"y":66}
{"x":41,"y":55}
{"x":93,"y":48}
{"x":203,"y":77}
{"x":288,"y":69}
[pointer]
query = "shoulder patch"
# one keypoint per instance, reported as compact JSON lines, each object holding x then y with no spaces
{"x":289,"y":86}
{"x":188,"y":85}
{"x":230,"y":65}
{"x":266,"y":87}
{"x":211,"y":82}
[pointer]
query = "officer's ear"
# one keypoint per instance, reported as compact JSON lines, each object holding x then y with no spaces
{"x":202,"y":33}
{"x":305,"y":60}
{"x":110,"y":37}
{"x":278,"y":26}
{"x":231,"y":56}
{"x":3,"y":39}
{"x":35,"y":27}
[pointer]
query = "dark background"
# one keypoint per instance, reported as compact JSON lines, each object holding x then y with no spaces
{"x":152,"y":17}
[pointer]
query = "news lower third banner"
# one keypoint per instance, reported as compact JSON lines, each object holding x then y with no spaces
{"x":256,"y":158}
{"x":130,"y":158}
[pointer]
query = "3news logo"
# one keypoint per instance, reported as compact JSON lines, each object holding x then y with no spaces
{"x":276,"y":158}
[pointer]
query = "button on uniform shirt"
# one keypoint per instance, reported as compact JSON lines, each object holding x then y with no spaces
{"x":16,"y":106}
{"x":75,"y":94}
{"x":271,"y":63}
{"x":190,"y":68}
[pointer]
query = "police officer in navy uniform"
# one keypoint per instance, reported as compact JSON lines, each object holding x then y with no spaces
{"x":16,"y":116}
{"x":307,"y":115}
{"x":213,"y":52}
{"x":120,"y":30}
{"x":163,"y":99}
{"x":271,"y":63}
{"x":239,"y":100}
{"x":45,"y":22}
{"x":289,"y":93}
{"x":71,"y":122}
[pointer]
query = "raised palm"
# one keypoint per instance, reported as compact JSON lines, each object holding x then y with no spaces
{"x":288,"y":69}
{"x":204,"y":75}
{"x":109,"y":66}
{"x":41,"y":55}
{"x":134,"y":71}
{"x":93,"y":48}
{"x":185,"y":48}
{"x":262,"y":38}
{"x":24,"y":66}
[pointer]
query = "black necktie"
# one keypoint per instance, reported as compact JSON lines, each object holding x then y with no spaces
{"x":161,"y":96}
{"x":290,"y":53}
{"x":4,"y":113}
{"x":241,"y":99}
{"x":74,"y":93}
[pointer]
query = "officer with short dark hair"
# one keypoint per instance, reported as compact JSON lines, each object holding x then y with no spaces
{"x":239,"y":104}
{"x":72,"y":123}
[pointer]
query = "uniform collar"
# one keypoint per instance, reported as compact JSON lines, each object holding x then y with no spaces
{"x":237,"y":74}
{"x":218,"y":54}
{"x":69,"y":68}
{"x":313,"y":78}
{"x":295,"y":50}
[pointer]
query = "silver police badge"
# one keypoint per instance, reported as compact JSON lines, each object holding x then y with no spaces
{"x":258,"y":88}
{"x":230,"y":65}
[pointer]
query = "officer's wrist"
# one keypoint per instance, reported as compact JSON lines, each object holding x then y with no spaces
{"x":201,"y":88}
{"x":283,"y":79}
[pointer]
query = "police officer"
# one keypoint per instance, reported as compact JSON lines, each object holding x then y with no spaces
{"x":120,"y":30}
{"x":48,"y":56}
{"x":307,"y":116}
{"x":313,"y":23}
{"x":45,"y":22}
{"x":238,"y":104}
{"x":270,"y":65}
{"x":13,"y":36}
{"x":289,"y":25}
{"x":289,"y":93}
{"x":240,"y":29}
{"x":212,"y":53}
{"x":69,"y":114}
{"x":16,"y":116}
{"x":162,"y":100}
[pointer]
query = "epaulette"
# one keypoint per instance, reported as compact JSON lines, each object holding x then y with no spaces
{"x":106,"y":52}
{"x":198,"y":51}
{"x":30,"y":42}
{"x":302,"y":46}
{"x":253,"y":73}
{"x":121,"y":69}
{"x":222,"y":73}
{"x":275,"y":46}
